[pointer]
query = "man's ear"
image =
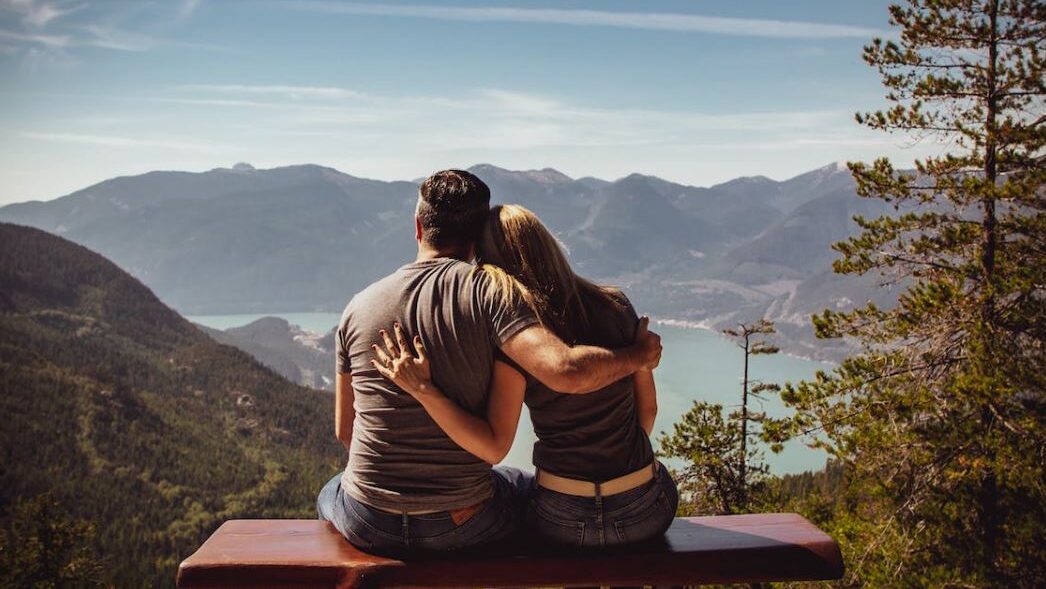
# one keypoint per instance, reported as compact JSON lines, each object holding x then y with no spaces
{"x":417,"y":228}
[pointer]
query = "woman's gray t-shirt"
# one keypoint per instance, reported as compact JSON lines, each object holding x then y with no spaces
{"x":597,"y":436}
{"x":399,"y":459}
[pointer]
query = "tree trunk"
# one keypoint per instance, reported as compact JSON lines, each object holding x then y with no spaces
{"x":988,"y":494}
{"x":744,"y":433}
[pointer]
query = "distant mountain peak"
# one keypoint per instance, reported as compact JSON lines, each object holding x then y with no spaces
{"x":543,"y":176}
{"x":834,"y":172}
{"x":833,"y":167}
{"x":649,"y":178}
{"x":489,"y":168}
{"x":549,"y":175}
{"x":243,"y":167}
{"x":758,"y":179}
{"x":745,"y":183}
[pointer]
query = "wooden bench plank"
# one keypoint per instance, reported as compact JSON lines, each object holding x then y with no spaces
{"x":720,"y":549}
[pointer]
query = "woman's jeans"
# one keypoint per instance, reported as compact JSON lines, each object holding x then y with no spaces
{"x":392,"y":534}
{"x":623,"y":518}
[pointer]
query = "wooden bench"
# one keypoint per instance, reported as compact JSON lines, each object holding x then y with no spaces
{"x":722,"y":549}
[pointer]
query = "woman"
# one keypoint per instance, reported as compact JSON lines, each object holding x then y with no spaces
{"x":598,"y":483}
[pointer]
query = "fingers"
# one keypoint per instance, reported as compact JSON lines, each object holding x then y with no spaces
{"x":389,"y":344}
{"x":649,"y":342}
{"x":380,"y":353}
{"x":419,"y":348}
{"x":655,"y":344}
{"x":381,"y":369}
{"x":401,"y":340}
{"x":643,"y":327}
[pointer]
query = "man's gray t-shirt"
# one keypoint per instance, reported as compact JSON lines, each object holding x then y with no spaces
{"x":399,"y":458}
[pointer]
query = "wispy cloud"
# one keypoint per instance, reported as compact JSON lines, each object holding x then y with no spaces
{"x":292,"y":92}
{"x":126,"y":142}
{"x":36,"y":35}
{"x":494,"y":108}
{"x":187,"y":8}
{"x":683,"y":22}
{"x":236,"y":103}
{"x":35,"y":39}
{"x":38,"y":14}
{"x":500,"y":119}
{"x":108,"y":37}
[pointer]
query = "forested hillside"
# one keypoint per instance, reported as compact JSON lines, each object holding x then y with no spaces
{"x":136,"y":421}
{"x":297,"y":355}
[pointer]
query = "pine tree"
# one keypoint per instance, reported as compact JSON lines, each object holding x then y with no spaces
{"x":748,"y":339}
{"x":939,"y":419}
{"x":723,"y":473}
{"x":45,"y":547}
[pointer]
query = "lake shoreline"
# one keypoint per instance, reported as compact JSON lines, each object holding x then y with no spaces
{"x":703,"y":325}
{"x":295,"y":318}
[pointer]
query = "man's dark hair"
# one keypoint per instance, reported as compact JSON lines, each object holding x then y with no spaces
{"x":452,"y":208}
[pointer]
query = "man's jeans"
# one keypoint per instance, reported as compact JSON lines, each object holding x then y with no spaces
{"x":633,"y":516}
{"x":380,"y":532}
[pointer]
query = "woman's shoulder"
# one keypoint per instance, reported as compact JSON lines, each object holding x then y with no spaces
{"x":619,"y":297}
{"x":612,"y":317}
{"x":616,"y":299}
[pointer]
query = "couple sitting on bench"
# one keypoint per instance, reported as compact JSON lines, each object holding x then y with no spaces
{"x":434,"y":363}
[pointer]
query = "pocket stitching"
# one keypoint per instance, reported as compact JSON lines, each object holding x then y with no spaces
{"x":545,"y":516}
{"x":660,"y":504}
{"x":621,"y":536}
{"x":460,"y":529}
{"x":551,"y":517}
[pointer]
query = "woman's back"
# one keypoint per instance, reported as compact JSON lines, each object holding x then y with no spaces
{"x":597,"y":436}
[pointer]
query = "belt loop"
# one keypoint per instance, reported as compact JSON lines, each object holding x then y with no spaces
{"x":406,"y":530}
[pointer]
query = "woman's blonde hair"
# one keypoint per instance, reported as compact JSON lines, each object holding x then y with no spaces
{"x":525,"y":260}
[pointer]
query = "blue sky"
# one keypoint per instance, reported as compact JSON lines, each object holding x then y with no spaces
{"x":692,"y":91}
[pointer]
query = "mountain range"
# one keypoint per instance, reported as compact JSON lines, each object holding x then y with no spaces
{"x":135,"y":421}
{"x":307,"y":237}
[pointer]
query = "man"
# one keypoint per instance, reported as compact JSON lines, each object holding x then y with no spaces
{"x":407,"y":486}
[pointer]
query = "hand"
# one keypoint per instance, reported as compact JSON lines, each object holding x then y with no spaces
{"x":647,"y":345}
{"x":396,"y":363}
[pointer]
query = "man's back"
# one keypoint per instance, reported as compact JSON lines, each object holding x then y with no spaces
{"x":399,"y":458}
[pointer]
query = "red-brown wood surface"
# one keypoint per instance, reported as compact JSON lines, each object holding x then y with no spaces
{"x":721,"y":549}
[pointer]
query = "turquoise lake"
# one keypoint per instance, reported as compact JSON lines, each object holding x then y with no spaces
{"x":698,"y":364}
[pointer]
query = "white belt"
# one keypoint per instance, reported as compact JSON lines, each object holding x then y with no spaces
{"x":588,"y":488}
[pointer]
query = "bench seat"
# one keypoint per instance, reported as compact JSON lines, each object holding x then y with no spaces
{"x":696,"y":550}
